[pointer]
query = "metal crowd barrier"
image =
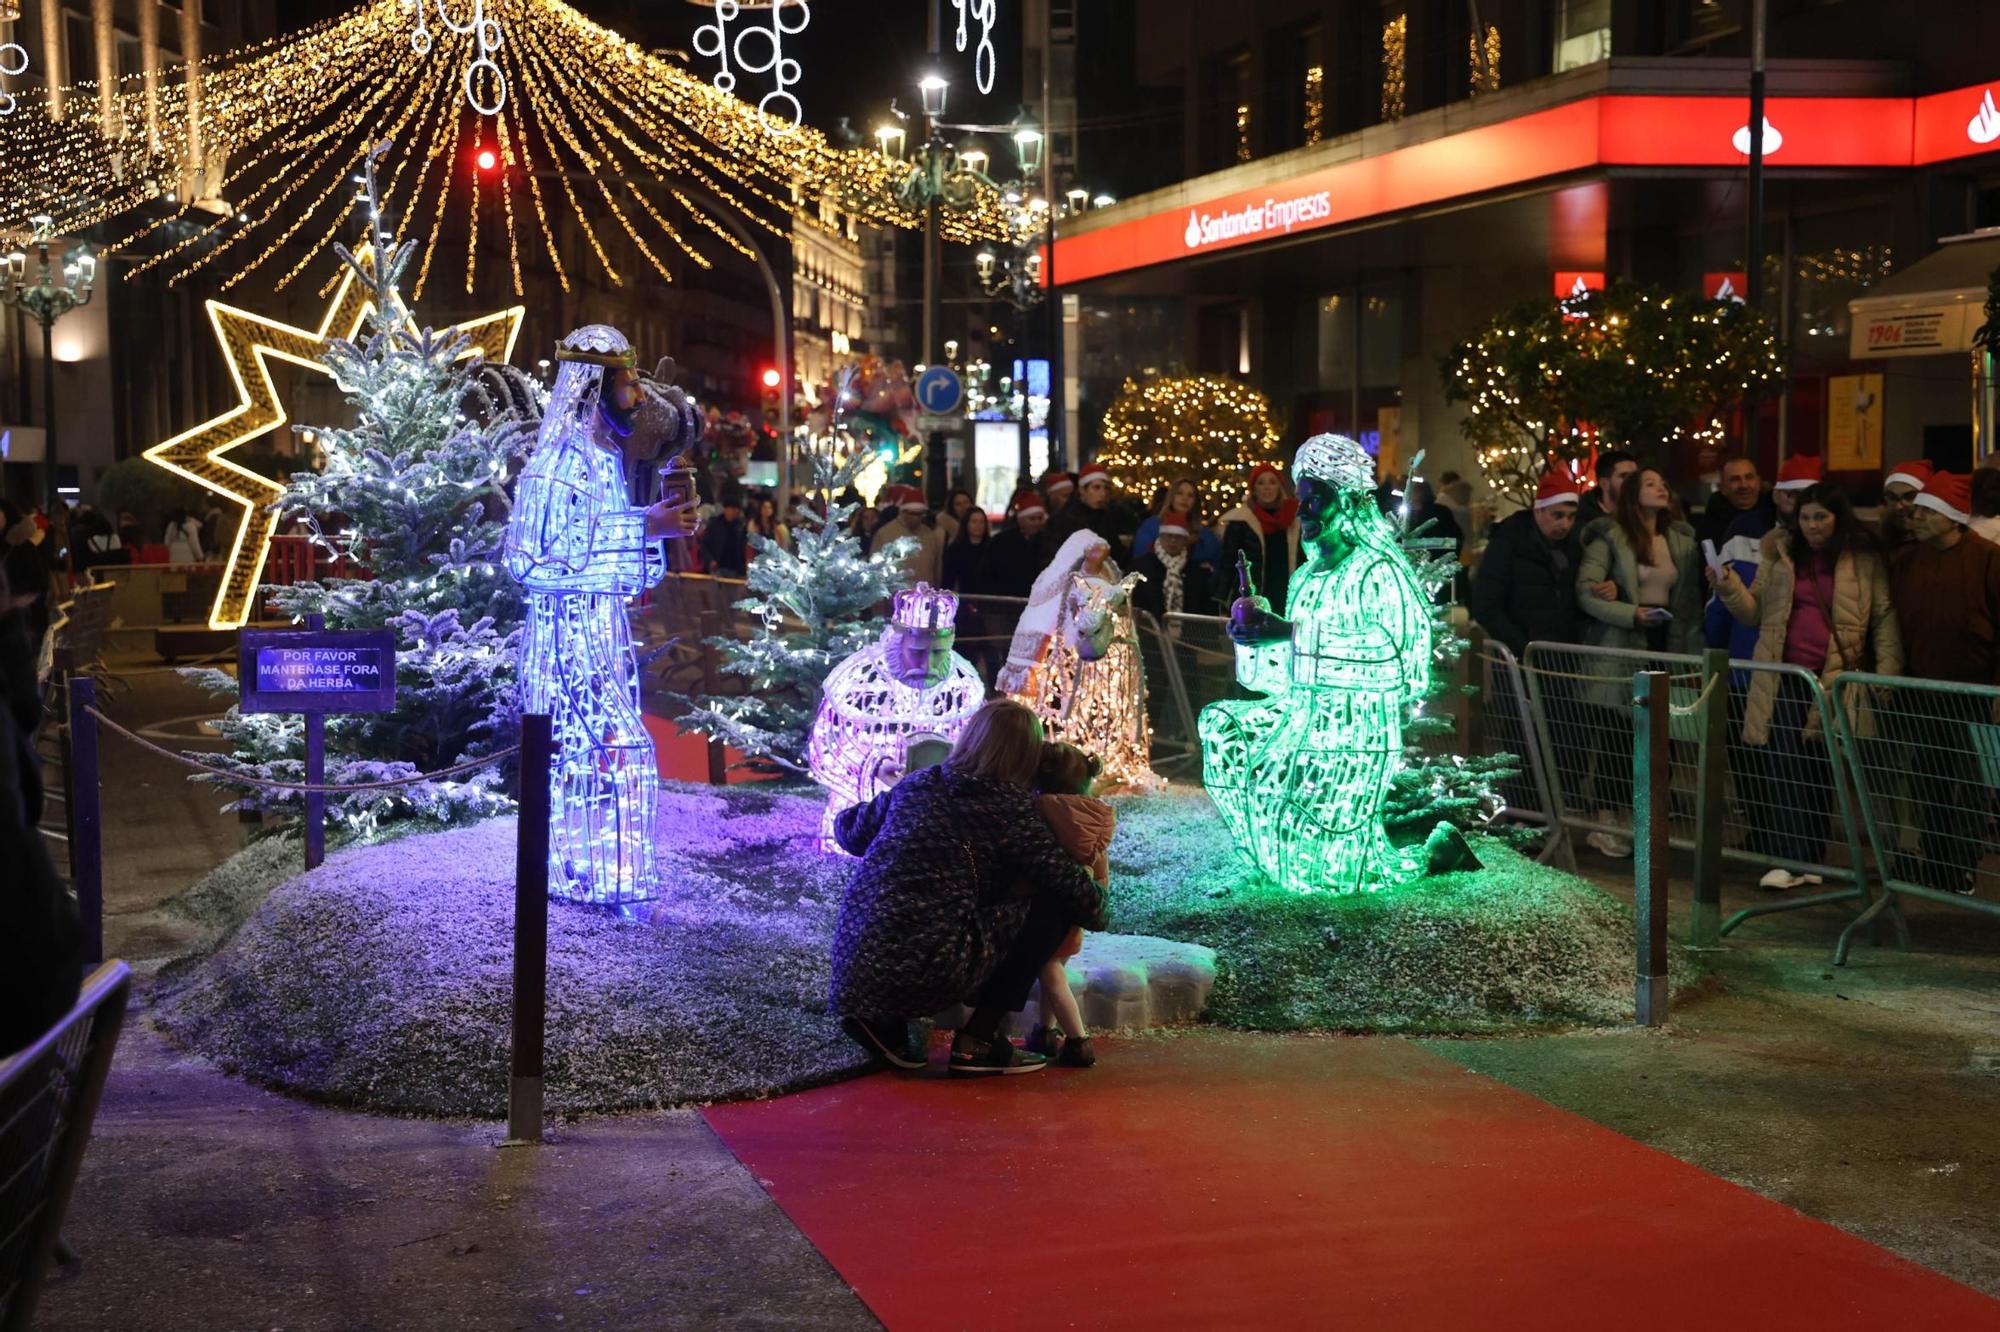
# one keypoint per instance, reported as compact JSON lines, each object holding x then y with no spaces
{"x":1501,"y":720}
{"x":1925,"y":758}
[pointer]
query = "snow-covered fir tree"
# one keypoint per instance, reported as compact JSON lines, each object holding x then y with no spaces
{"x":816,"y":605}
{"x":413,"y":495}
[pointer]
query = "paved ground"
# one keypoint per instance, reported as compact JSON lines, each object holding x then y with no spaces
{"x":1864,"y":1095}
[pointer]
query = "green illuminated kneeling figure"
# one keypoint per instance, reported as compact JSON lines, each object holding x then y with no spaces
{"x":1300,"y":775}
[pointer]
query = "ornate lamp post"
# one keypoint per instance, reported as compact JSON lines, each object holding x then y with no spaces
{"x":48,"y":300}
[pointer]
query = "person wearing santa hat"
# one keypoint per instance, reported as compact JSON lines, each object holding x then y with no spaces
{"x":1021,"y":549}
{"x":1264,"y":529}
{"x":1524,"y":591}
{"x":1906,"y":480}
{"x":1097,"y":508}
{"x":1058,"y":489}
{"x":1176,"y":582}
{"x":925,"y":562}
{"x":1947,"y":593}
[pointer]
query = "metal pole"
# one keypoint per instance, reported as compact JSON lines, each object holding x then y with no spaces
{"x":315,"y":774}
{"x":48,"y":323}
{"x":1027,"y":425}
{"x":87,"y":824}
{"x":1753,"y":277}
{"x":1650,"y":771}
{"x":1712,"y":776}
{"x":531,"y":932}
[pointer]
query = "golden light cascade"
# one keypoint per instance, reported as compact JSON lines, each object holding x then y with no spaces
{"x":280,"y":126}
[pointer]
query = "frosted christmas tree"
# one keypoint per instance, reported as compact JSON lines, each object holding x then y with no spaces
{"x":817,"y":606}
{"x":414,"y":494}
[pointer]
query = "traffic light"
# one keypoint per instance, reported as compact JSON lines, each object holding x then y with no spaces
{"x":486,"y":159}
{"x":773,"y":382}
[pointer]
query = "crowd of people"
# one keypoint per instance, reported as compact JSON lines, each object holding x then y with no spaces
{"x":1786,"y":574}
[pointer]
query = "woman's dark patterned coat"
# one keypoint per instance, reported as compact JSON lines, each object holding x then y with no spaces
{"x":950,"y":865}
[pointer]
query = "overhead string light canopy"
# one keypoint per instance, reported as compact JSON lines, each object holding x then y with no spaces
{"x":582,"y":121}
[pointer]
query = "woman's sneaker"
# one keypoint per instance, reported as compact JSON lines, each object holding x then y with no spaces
{"x":972,"y":1057}
{"x":1615,"y":847}
{"x":885,"y":1040}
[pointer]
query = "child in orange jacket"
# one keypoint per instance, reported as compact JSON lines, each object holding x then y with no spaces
{"x":1084,"y":825}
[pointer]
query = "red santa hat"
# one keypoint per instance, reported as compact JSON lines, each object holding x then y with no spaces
{"x":903,"y":497}
{"x":1800,"y":472}
{"x":1916,"y":474}
{"x":1057,"y":483}
{"x":1557,"y":486}
{"x":1093,"y":472}
{"x":1028,"y":500}
{"x":1950,"y":494}
{"x":1262,"y":468}
{"x":1174,"y":522}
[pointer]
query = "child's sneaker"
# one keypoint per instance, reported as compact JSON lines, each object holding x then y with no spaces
{"x":1077,"y":1052}
{"x":972,"y":1057}
{"x":884,"y":1040}
{"x":1045,"y":1041}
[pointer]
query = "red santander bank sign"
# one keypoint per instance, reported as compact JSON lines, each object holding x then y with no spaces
{"x":1256,"y":221}
{"x":1595,"y":133}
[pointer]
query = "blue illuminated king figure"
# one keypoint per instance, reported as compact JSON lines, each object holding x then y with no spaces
{"x":1300,"y":775}
{"x":582,"y":550}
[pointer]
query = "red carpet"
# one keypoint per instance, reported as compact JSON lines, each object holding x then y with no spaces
{"x":682,"y":756}
{"x":1206,"y":1181}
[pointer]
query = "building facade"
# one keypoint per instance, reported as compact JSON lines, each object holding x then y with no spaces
{"x":1363,"y":183}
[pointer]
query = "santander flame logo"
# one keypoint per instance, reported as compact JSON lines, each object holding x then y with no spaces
{"x":1984,"y":127}
{"x":1773,"y":140}
{"x":1193,"y":235}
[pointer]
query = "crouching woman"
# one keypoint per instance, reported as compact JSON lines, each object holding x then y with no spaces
{"x":963,"y":894}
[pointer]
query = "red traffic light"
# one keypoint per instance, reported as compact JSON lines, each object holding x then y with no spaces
{"x":487,"y":159}
{"x":772,"y":378}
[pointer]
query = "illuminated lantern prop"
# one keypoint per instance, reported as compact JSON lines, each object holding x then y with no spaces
{"x":1300,"y":775}
{"x":578,"y":546}
{"x":902,"y":694}
{"x":1075,"y":662}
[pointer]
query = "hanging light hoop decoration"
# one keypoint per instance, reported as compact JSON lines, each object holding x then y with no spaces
{"x":13,"y":58}
{"x":984,"y":58}
{"x":486,"y":39}
{"x":420,"y":40}
{"x":715,"y":39}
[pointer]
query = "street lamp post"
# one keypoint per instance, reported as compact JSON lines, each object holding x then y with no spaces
{"x":48,"y":300}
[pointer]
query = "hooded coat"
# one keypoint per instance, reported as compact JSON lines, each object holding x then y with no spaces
{"x":950,"y":865}
{"x":1608,"y":556}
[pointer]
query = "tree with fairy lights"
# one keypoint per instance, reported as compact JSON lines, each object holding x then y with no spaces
{"x":413,"y":493}
{"x":816,"y":606}
{"x":1630,"y":366}
{"x":1204,"y":426}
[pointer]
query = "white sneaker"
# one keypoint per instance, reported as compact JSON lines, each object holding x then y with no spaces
{"x":1615,"y":847}
{"x":1782,"y":879}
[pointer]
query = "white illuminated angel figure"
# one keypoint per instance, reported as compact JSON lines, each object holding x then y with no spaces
{"x":582,"y":550}
{"x":1075,"y":661}
{"x":893,"y":706}
{"x":1300,"y":775}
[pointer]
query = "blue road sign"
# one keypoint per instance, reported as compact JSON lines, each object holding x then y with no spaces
{"x":939,"y":391}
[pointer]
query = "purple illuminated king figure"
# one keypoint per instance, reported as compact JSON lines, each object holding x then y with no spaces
{"x":583,"y":550}
{"x":892,"y":706}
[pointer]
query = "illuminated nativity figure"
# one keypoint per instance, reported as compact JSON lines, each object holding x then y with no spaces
{"x":581,"y":549}
{"x":1075,"y":661}
{"x":894,"y":706}
{"x":1300,"y":775}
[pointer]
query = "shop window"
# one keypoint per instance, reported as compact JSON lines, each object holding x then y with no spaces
{"x":1295,"y":75}
{"x":1395,"y":65}
{"x":1226,"y":136}
{"x":1583,"y":33}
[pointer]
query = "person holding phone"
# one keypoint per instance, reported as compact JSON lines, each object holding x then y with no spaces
{"x":1641,"y":585}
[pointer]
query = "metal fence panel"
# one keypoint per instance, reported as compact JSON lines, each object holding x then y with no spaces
{"x":1925,"y":755}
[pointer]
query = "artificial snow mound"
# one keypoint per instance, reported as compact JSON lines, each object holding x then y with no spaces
{"x":383,"y":977}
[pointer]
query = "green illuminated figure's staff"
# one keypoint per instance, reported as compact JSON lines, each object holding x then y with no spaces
{"x":1300,"y":775}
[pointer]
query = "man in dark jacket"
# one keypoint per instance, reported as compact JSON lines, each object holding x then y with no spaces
{"x":725,"y":538}
{"x":1098,"y":509}
{"x":1021,"y":550}
{"x":1742,"y":493}
{"x":1612,"y":469}
{"x":1524,"y":591}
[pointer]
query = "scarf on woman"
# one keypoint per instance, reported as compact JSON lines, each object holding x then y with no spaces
{"x":1277,"y":520}
{"x":1172,"y":590}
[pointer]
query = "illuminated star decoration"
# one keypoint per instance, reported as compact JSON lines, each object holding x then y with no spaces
{"x":248,"y":342}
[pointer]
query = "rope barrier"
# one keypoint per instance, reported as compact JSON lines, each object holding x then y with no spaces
{"x":1701,"y":700}
{"x":243,"y":779}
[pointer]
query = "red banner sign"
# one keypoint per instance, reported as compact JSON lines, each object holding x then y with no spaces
{"x":1725,"y":287}
{"x":1572,"y":284}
